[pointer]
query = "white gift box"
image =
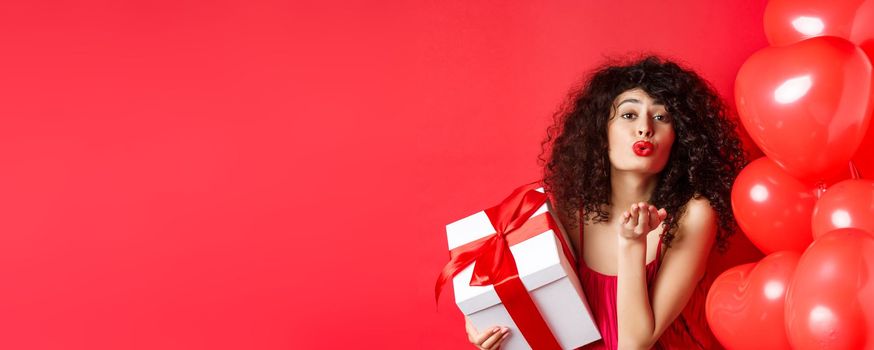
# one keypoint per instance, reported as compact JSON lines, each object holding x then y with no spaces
{"x":547,"y":274}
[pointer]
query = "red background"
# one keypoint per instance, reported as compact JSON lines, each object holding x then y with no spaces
{"x":274,"y":175}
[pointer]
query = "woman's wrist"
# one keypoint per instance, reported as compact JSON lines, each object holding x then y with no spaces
{"x":630,"y":245}
{"x":631,"y":249}
{"x":625,"y":240}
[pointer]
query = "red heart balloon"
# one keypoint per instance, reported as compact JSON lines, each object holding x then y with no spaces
{"x":862,"y":33}
{"x":864,"y":157}
{"x":772,"y":208}
{"x":830,"y":301}
{"x":745,"y":303}
{"x":807,"y":105}
{"x":848,"y":203}
{"x":790,"y":21}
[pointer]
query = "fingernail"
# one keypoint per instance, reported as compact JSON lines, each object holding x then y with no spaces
{"x":505,"y":330}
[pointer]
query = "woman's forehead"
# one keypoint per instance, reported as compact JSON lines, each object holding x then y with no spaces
{"x":636,"y":96}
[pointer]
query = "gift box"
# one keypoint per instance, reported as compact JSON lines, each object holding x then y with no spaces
{"x":527,"y":281}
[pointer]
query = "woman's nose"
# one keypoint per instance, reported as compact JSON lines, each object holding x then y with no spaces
{"x":645,"y":127}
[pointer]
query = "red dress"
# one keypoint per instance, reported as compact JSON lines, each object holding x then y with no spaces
{"x":688,"y":331}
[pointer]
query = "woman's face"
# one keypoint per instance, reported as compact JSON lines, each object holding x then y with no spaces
{"x":640,"y":133}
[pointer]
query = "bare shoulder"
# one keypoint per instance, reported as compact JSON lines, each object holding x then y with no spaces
{"x":698,"y":218}
{"x":699,"y":204}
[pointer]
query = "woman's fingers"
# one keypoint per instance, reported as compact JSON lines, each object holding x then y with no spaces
{"x":494,"y":338}
{"x":479,"y":338}
{"x":497,"y":344}
{"x":643,"y":219}
{"x":654,"y":216}
{"x":490,"y":339}
{"x":633,"y":215}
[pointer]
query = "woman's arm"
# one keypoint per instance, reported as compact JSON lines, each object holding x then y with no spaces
{"x":641,"y":324}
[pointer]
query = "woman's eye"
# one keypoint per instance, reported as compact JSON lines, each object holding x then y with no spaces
{"x":627,"y":115}
{"x":660,"y":118}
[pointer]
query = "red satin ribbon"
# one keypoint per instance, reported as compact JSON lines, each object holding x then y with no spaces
{"x":495,"y":264}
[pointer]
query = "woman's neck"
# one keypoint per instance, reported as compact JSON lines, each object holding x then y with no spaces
{"x":630,"y":187}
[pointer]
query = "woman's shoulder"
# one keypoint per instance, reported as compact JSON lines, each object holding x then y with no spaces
{"x":698,"y":215}
{"x":698,"y":202}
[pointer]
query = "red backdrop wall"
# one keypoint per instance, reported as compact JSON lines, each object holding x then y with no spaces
{"x":275,"y":175}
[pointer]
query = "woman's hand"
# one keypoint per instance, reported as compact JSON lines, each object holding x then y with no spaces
{"x":491,"y":339}
{"x":640,"y":220}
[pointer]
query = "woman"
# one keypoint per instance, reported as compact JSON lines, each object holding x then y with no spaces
{"x":644,"y":156}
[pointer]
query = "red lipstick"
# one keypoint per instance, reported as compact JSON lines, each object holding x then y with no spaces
{"x":642,"y":148}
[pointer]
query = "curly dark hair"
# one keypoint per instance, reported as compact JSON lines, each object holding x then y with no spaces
{"x":706,"y":156}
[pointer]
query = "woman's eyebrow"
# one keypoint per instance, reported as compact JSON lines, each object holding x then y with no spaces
{"x":632,"y":100}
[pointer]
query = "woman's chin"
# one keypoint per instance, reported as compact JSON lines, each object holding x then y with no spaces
{"x":644,"y":166}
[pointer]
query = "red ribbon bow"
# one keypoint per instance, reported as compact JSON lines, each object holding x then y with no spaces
{"x":495,"y":264}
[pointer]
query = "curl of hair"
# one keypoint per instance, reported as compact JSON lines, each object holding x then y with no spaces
{"x":706,"y":156}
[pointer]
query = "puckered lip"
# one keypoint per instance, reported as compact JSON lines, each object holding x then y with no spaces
{"x":643,"y":148}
